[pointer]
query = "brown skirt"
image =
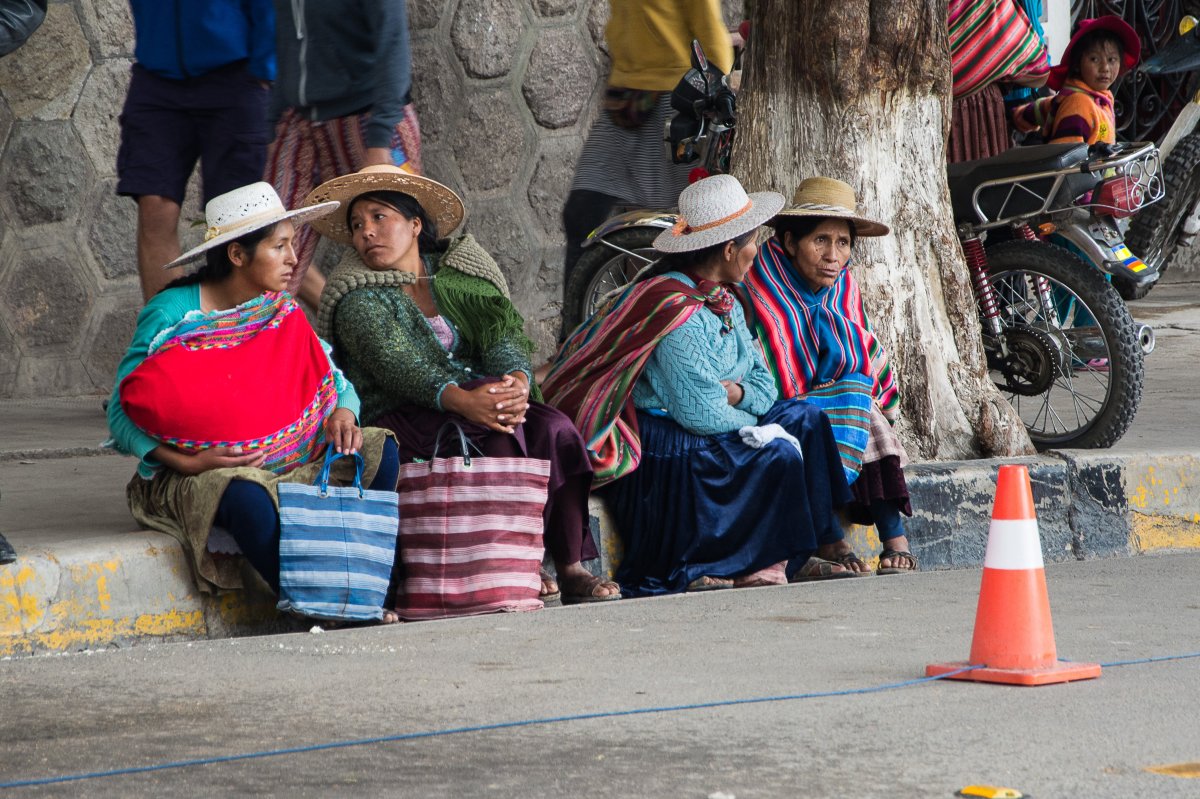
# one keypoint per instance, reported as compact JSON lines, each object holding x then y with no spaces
{"x":184,"y":506}
{"x":978,"y":126}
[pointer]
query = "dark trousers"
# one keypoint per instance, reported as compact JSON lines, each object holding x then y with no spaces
{"x":248,"y":513}
{"x":584,"y":212}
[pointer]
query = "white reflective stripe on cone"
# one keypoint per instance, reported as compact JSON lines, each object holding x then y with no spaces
{"x":1013,"y":544}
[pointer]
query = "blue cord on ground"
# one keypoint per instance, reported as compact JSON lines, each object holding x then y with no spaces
{"x":503,"y":725}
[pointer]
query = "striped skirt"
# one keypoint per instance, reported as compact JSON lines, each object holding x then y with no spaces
{"x":632,"y":164}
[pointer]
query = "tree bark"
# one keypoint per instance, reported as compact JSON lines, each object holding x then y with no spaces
{"x":859,"y":90}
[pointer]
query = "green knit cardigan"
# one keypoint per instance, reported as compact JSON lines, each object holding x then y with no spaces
{"x":388,"y":350}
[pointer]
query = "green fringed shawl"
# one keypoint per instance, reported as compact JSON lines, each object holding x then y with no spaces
{"x":471,"y":291}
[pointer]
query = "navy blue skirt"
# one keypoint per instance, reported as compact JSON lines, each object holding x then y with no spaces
{"x":712,"y":506}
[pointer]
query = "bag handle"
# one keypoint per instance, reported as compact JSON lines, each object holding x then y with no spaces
{"x":332,"y":455}
{"x":464,"y":443}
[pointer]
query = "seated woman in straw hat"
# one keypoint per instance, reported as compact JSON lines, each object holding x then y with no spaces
{"x":226,"y":391}
{"x":818,"y":343}
{"x":713,"y":483}
{"x":424,"y":328}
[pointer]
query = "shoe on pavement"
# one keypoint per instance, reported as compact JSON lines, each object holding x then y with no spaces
{"x":7,"y":553}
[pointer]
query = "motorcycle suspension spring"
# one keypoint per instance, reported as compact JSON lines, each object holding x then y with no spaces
{"x":1044,"y":290}
{"x":985,"y":293}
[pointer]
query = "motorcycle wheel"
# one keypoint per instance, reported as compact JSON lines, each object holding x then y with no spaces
{"x":1075,"y":381}
{"x":603,"y":268}
{"x":1154,"y":233}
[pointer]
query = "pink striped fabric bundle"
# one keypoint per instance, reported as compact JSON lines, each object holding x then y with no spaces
{"x":471,"y":536}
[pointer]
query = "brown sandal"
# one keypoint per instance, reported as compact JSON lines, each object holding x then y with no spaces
{"x":820,"y":569}
{"x":850,"y":561}
{"x":588,"y":594}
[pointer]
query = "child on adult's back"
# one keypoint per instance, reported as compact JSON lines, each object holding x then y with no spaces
{"x":1101,"y":50}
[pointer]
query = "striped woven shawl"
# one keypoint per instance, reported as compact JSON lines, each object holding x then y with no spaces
{"x":594,"y":371}
{"x":990,"y":40}
{"x":810,"y":338}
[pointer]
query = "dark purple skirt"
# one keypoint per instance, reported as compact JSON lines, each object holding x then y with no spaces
{"x":881,"y":479}
{"x":547,"y":434}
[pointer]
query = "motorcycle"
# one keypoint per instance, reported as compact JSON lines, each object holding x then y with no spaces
{"x":1158,"y":232}
{"x":1060,"y":342}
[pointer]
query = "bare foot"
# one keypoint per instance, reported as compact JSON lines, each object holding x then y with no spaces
{"x":389,"y":617}
{"x":549,"y":590}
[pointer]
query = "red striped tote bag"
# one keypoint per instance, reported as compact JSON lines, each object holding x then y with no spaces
{"x":470,"y":533}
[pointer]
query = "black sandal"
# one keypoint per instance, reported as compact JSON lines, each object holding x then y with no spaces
{"x":894,"y":554}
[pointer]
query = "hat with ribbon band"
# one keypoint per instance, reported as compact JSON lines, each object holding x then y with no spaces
{"x":230,"y":216}
{"x":715,"y":210}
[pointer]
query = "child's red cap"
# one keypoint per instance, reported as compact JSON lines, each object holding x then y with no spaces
{"x":1130,"y":44}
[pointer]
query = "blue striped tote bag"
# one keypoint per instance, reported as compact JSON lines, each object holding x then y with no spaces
{"x":336,"y":546}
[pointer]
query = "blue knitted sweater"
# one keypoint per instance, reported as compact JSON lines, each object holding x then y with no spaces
{"x":683,"y":376}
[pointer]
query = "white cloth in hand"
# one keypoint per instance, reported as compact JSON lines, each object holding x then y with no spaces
{"x":757,"y":437}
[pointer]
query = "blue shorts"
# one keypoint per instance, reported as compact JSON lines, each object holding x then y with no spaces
{"x":219,"y":118}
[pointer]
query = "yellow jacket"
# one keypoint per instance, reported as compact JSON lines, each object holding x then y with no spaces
{"x":650,"y":41}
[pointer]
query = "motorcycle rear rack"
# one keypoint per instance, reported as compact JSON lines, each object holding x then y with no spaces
{"x":1139,"y":161}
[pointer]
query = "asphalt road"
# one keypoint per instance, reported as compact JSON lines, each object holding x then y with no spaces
{"x":108,"y":710}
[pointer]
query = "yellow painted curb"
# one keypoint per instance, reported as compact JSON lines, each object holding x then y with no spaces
{"x":113,"y":590}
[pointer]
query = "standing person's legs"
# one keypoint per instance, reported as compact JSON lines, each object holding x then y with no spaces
{"x":157,"y":153}
{"x":231,"y":113}
{"x":157,"y":242}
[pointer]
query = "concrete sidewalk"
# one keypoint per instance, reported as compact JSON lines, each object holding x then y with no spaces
{"x":87,"y":578}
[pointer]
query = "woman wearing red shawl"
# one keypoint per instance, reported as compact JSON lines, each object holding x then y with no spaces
{"x":818,"y":343}
{"x":712,"y":482}
{"x":226,"y":391}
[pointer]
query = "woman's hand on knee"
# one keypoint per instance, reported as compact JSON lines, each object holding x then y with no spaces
{"x":215,"y":458}
{"x":343,"y":433}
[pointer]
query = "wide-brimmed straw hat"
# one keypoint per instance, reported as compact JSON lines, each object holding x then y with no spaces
{"x":1131,"y":46}
{"x":715,"y":210}
{"x":244,"y":210}
{"x":440,"y":202}
{"x":829,"y":197}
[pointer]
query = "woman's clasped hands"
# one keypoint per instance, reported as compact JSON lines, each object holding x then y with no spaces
{"x":499,"y":406}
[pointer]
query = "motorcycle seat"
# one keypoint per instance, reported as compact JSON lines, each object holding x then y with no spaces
{"x":966,"y":176}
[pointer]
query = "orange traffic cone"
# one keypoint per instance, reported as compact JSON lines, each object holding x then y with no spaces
{"x":1014,"y":636}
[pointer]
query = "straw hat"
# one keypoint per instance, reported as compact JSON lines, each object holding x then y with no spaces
{"x":715,"y":210}
{"x":244,"y":210}
{"x":1131,"y":46}
{"x":440,"y":202}
{"x":828,"y":197}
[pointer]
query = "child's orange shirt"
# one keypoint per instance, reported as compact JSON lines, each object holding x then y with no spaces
{"x":1078,"y":113}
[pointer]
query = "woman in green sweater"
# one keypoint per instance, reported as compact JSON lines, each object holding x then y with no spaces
{"x":426,"y":332}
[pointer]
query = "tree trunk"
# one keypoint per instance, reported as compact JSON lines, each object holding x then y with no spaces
{"x":859,"y":90}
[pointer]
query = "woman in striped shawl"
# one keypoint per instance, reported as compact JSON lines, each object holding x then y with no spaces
{"x":818,"y":343}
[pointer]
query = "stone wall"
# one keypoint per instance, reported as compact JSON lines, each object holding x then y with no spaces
{"x":505,"y":90}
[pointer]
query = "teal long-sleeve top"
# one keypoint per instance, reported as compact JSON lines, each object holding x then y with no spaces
{"x":163,"y":311}
{"x":683,"y":375}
